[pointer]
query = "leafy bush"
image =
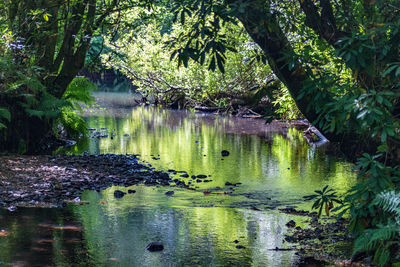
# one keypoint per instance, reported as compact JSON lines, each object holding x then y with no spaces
{"x":384,"y":239}
{"x":324,"y":200}
{"x":77,"y":94}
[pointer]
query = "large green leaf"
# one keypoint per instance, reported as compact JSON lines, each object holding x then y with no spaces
{"x":4,"y":113}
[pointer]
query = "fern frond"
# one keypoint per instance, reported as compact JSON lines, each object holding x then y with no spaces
{"x":74,"y":124}
{"x":79,"y":91}
{"x":382,"y":233}
{"x":389,"y":201}
{"x":382,"y":238}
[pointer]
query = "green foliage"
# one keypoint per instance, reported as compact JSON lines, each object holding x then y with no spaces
{"x":149,"y":64}
{"x":383,"y":240}
{"x":77,"y":94}
{"x":74,"y":125}
{"x":4,"y":115}
{"x":286,"y":106}
{"x":21,"y":84}
{"x":373,"y":178}
{"x":324,"y":200}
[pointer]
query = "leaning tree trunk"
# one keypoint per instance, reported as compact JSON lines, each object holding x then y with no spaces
{"x":263,"y":26}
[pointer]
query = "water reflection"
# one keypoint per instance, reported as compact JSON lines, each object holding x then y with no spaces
{"x":41,"y":237}
{"x":273,"y":164}
{"x":192,"y":236}
{"x":116,"y":232}
{"x":265,"y":159}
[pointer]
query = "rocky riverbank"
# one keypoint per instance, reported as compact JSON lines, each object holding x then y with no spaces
{"x":53,"y":180}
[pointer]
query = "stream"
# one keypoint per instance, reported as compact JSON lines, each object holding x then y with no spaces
{"x":268,"y":167}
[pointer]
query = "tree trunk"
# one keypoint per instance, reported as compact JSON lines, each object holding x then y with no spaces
{"x":263,"y":26}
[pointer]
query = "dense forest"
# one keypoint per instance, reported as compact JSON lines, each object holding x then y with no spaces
{"x":335,"y":63}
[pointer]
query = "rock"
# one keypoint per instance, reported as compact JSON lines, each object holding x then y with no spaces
{"x":224,"y":153}
{"x":131,"y":191}
{"x":119,"y":194}
{"x":155,"y":246}
{"x":180,"y":183}
{"x":310,"y":262}
{"x":11,"y":208}
{"x":163,"y":176}
{"x":169,"y":193}
{"x":164,"y":182}
{"x":291,"y":224}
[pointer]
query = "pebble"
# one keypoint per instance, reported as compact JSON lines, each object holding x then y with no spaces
{"x":155,"y":246}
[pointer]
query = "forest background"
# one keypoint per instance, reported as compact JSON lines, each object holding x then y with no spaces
{"x":336,"y":63}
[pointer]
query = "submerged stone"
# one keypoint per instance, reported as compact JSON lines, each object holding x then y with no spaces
{"x":119,"y":194}
{"x":225,"y":153}
{"x":291,"y":224}
{"x":155,"y":246}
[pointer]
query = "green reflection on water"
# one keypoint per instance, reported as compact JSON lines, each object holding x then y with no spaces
{"x":265,"y":159}
{"x":274,"y":165}
{"x":120,"y":229}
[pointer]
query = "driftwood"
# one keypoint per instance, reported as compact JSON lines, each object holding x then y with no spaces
{"x":311,"y":134}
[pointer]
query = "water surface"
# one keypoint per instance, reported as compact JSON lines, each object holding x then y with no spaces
{"x":274,"y":165}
